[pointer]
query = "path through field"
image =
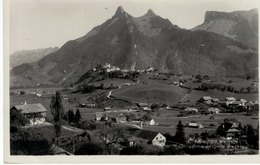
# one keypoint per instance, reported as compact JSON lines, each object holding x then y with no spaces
{"x":184,"y":97}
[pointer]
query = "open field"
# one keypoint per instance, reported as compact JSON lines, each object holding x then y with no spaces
{"x":169,"y":94}
{"x":49,"y":133}
{"x":114,"y":82}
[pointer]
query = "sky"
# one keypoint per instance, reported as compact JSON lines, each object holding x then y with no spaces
{"x":47,"y":23}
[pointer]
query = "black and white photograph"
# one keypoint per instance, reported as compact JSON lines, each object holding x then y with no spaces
{"x":131,"y":78}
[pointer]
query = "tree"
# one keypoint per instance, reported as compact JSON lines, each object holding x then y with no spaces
{"x":29,"y":142}
{"x":249,"y":89}
{"x":57,"y":112}
{"x":133,"y":150}
{"x":17,"y":118}
{"x":198,"y":77}
{"x":89,"y":149}
{"x":71,"y":116}
{"x":180,"y":135}
{"x":77,"y":116}
{"x":252,"y":136}
{"x":102,"y":86}
{"x":155,"y":106}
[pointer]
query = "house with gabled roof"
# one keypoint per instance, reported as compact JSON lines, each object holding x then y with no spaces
{"x":213,"y":110}
{"x":206,"y":99}
{"x":117,"y":117}
{"x":191,"y":110}
{"x":230,"y":100}
{"x":228,"y":130}
{"x":148,"y":137}
{"x":215,"y":100}
{"x":99,"y":115}
{"x":36,"y":113}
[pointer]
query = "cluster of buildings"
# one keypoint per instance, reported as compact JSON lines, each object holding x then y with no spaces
{"x":230,"y":102}
{"x":110,"y":68}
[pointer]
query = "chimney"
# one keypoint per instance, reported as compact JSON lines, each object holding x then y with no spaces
{"x":25,"y":103}
{"x":141,"y":127}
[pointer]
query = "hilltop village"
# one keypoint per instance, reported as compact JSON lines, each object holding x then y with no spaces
{"x":115,"y":111}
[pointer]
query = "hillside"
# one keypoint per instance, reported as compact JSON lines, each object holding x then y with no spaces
{"x":29,"y":56}
{"x":149,"y":40}
{"x":238,"y":25}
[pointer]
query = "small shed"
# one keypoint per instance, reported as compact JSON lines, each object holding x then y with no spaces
{"x":107,"y":108}
{"x":195,"y":125}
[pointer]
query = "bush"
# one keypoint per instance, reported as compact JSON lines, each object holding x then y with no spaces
{"x":29,"y":143}
{"x":89,"y":149}
{"x":133,"y":150}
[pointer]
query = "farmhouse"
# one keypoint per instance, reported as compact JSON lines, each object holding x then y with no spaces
{"x":205,"y":99}
{"x":230,"y":100}
{"x":148,"y":137}
{"x":99,"y":115}
{"x":243,"y":102}
{"x":36,"y":113}
{"x":228,"y":130}
{"x":249,"y":105}
{"x":213,"y":110}
{"x":149,"y":122}
{"x":195,"y":125}
{"x":235,"y":104}
{"x":215,"y":100}
{"x":88,"y":104}
{"x":107,"y":108}
{"x":115,"y":117}
{"x":191,"y":110}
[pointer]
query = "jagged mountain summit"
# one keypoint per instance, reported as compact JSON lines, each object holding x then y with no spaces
{"x":148,"y":40}
{"x":238,"y":25}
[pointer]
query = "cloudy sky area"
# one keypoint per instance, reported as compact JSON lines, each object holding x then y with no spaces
{"x":47,"y":23}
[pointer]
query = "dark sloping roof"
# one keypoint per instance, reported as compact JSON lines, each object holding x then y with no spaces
{"x":249,"y":103}
{"x":227,"y":125}
{"x":145,"y":134}
{"x":113,"y":115}
{"x":30,"y":108}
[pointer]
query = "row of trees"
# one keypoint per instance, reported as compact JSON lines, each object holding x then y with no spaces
{"x":71,"y":117}
{"x":207,"y":86}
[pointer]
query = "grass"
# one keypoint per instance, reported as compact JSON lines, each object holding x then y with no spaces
{"x":115,"y":82}
{"x":162,"y":93}
{"x":48,"y":131}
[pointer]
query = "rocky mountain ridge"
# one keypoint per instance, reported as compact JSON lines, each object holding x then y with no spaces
{"x":148,"y":40}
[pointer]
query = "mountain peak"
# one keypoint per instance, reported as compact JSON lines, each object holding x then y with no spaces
{"x":150,"y":13}
{"x":119,"y":10}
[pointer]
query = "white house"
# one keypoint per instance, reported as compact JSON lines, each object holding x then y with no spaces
{"x":213,"y":110}
{"x":150,"y":122}
{"x":149,"y":137}
{"x":195,"y":125}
